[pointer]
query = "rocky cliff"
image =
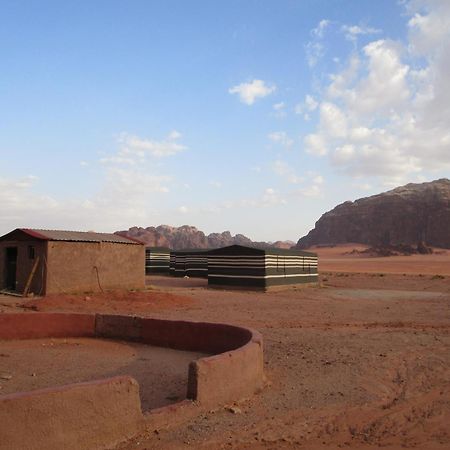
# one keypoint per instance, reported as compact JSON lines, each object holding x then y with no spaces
{"x":186,"y":236}
{"x":406,"y":215}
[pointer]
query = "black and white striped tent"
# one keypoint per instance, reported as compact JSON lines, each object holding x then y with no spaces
{"x":191,"y":263}
{"x":248,"y":267}
{"x":157,"y":260}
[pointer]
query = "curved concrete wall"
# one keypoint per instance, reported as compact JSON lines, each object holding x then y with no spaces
{"x":99,"y":414}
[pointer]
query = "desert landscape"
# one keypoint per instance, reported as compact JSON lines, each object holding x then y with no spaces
{"x":361,"y":360}
{"x":225,"y":225}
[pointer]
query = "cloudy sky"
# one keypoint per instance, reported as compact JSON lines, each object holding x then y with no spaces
{"x":249,"y":116}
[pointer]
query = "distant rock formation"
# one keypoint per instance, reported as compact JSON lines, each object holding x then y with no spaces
{"x":186,"y":236}
{"x":408,"y":215}
{"x":394,"y":250}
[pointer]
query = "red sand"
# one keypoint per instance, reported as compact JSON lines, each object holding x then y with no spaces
{"x":338,"y":259}
{"x":360,"y":361}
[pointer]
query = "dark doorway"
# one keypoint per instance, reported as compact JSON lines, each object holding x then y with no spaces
{"x":11,"y":267}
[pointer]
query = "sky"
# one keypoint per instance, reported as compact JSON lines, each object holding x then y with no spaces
{"x":252,"y":116}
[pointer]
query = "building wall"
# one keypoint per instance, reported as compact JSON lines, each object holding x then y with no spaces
{"x":25,"y":265}
{"x":81,"y":266}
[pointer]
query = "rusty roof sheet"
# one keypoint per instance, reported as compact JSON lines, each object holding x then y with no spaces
{"x":78,"y":236}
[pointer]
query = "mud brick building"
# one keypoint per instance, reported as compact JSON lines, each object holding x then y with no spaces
{"x":51,"y":262}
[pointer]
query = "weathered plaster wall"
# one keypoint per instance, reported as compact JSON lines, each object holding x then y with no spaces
{"x":99,"y":414}
{"x":82,"y":416}
{"x":41,"y":325}
{"x":234,"y":372}
{"x":85,"y":266}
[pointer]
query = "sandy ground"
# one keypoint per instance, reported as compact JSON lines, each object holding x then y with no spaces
{"x":40,"y":363}
{"x":338,"y":259}
{"x":360,"y":361}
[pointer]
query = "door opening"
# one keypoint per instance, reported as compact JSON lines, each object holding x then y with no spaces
{"x":11,"y":268}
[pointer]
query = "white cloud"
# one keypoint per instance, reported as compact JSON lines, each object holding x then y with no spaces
{"x":316,"y":144}
{"x":281,"y":138}
{"x":183,"y":209}
{"x":279,"y":110}
{"x":429,"y":30}
{"x":332,"y":120}
{"x":309,"y":105}
{"x":310,"y":191}
{"x":271,"y":198}
{"x":22,"y":206}
{"x":314,"y":52}
{"x":215,"y":184}
{"x":319,"y":31}
{"x":313,"y":187}
{"x":174,"y":135}
{"x":132,"y":174}
{"x":318,"y":179}
{"x":353,"y":31}
{"x":363,"y":186}
{"x":249,"y":92}
{"x":132,"y":184}
{"x":315,"y":49}
{"x":311,"y":184}
{"x":344,"y":153}
{"x":285,"y":171}
{"x":386,"y":113}
{"x":342,"y":82}
{"x":134,"y":145}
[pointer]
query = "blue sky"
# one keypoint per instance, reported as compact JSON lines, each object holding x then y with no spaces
{"x":249,"y":116}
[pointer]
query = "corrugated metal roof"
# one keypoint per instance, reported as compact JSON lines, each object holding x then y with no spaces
{"x":78,"y":236}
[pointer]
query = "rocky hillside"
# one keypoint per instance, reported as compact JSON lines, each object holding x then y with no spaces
{"x":406,"y":215}
{"x":178,"y":238}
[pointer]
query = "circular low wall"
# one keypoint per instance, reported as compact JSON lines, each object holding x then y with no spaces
{"x":101,"y":413}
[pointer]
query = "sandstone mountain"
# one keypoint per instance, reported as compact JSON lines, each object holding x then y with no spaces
{"x":186,"y":236}
{"x":406,"y":215}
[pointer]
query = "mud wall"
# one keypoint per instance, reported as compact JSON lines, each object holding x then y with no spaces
{"x":42,"y":325}
{"x":94,"y":415}
{"x":234,"y":372}
{"x":99,"y":414}
{"x":92,"y":266}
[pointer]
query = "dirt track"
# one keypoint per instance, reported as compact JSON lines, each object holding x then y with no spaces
{"x":361,"y":361}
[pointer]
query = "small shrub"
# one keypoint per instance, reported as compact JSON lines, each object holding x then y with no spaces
{"x":437,"y":277}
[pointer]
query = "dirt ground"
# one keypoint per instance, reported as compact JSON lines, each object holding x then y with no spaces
{"x":40,"y":363}
{"x":340,"y":259}
{"x":360,"y":361}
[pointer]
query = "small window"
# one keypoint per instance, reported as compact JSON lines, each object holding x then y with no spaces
{"x":31,"y":252}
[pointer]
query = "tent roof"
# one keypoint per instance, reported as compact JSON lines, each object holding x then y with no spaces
{"x":244,"y":250}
